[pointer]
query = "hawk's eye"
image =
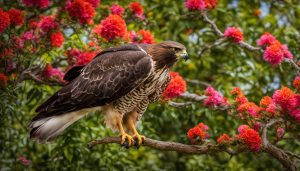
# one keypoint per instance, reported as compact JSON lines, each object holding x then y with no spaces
{"x":177,"y":49}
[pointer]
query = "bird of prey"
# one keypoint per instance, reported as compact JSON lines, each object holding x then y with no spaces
{"x":120,"y":82}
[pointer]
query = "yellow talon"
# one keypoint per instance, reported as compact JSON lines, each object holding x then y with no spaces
{"x":140,"y":138}
{"x":127,"y":137}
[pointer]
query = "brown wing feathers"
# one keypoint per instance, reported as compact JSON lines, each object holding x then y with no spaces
{"x":112,"y":74}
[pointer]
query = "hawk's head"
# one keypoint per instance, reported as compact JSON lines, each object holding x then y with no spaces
{"x":175,"y":48}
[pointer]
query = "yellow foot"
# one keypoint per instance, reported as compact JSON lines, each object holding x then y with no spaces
{"x":126,"y":140}
{"x":138,"y":139}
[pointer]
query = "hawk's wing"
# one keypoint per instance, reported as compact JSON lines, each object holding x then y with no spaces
{"x":111,"y":75}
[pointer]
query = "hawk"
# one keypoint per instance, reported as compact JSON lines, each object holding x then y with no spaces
{"x":120,"y":82}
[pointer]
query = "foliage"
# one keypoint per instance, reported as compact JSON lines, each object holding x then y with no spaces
{"x":42,"y":39}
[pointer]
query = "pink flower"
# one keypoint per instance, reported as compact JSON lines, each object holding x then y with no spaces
{"x":197,"y":5}
{"x":243,"y":128}
{"x":286,"y":52}
{"x":28,"y":35}
{"x":48,"y":23}
{"x":116,"y":9}
{"x":234,"y":34}
{"x":266,"y":39}
{"x":94,"y":3}
{"x":280,"y":132}
{"x":24,"y":160}
{"x":214,"y":98}
{"x":296,"y":115}
{"x":271,"y":108}
{"x":274,"y":54}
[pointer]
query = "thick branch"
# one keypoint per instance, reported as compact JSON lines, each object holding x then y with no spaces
{"x":171,"y":146}
{"x":276,"y":152}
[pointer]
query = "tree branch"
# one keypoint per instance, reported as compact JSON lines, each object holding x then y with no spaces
{"x":171,"y":146}
{"x":179,"y":105}
{"x":197,"y":82}
{"x":193,"y":97}
{"x":274,"y":151}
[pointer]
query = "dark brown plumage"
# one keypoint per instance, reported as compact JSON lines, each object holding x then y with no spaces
{"x":118,"y":81}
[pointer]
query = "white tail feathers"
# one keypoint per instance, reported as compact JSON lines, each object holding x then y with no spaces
{"x":46,"y":129}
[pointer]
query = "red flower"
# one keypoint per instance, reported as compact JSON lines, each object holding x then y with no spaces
{"x":265,"y":101}
{"x":176,"y":87}
{"x":286,"y":52}
{"x":235,"y":91}
{"x":224,"y":139}
{"x":234,"y":34}
{"x":97,"y":29}
{"x":113,"y":27}
{"x":16,"y":17}
{"x":48,"y":23}
{"x":4,"y":20}
{"x":117,"y":9}
{"x":136,"y":8}
{"x":57,"y":39}
{"x":146,"y":37}
{"x":242,"y":128}
{"x":241,"y":99}
{"x":3,"y":80}
{"x":250,"y":138}
{"x":81,"y":10}
{"x":266,"y":39}
{"x":37,"y":3}
{"x":94,"y":3}
{"x":214,"y":98}
{"x":296,"y":83}
{"x":285,"y":97}
{"x":197,"y":5}
{"x":199,"y":131}
{"x":271,"y":108}
{"x":85,"y":57}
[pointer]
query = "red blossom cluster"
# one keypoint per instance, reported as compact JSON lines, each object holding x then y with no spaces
{"x":116,"y":9}
{"x":79,"y":58}
{"x":274,"y":52}
{"x":296,"y":83}
{"x":48,"y":23}
{"x":280,"y":132}
{"x":137,"y":9}
{"x":16,"y":17}
{"x":4,"y":20}
{"x":53,"y":73}
{"x":234,"y":34}
{"x":214,"y":98}
{"x":249,"y":137}
{"x":37,"y":3}
{"x":198,"y":133}
{"x":142,"y":36}
{"x":176,"y":87}
{"x":224,"y":139}
{"x":82,"y":10}
{"x":57,"y":39}
{"x":24,"y":160}
{"x":197,"y":5}
{"x":112,"y":27}
{"x":3,"y":80}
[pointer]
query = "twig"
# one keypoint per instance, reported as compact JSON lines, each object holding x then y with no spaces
{"x":179,"y":105}
{"x":276,"y":152}
{"x":207,"y":47}
{"x":193,"y":97}
{"x":171,"y":146}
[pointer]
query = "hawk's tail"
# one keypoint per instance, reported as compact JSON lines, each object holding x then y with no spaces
{"x":47,"y":128}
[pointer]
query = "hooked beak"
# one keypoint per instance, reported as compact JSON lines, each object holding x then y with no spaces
{"x":185,"y":55}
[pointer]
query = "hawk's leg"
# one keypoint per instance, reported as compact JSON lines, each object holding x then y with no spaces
{"x":126,"y":139}
{"x":129,"y":121}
